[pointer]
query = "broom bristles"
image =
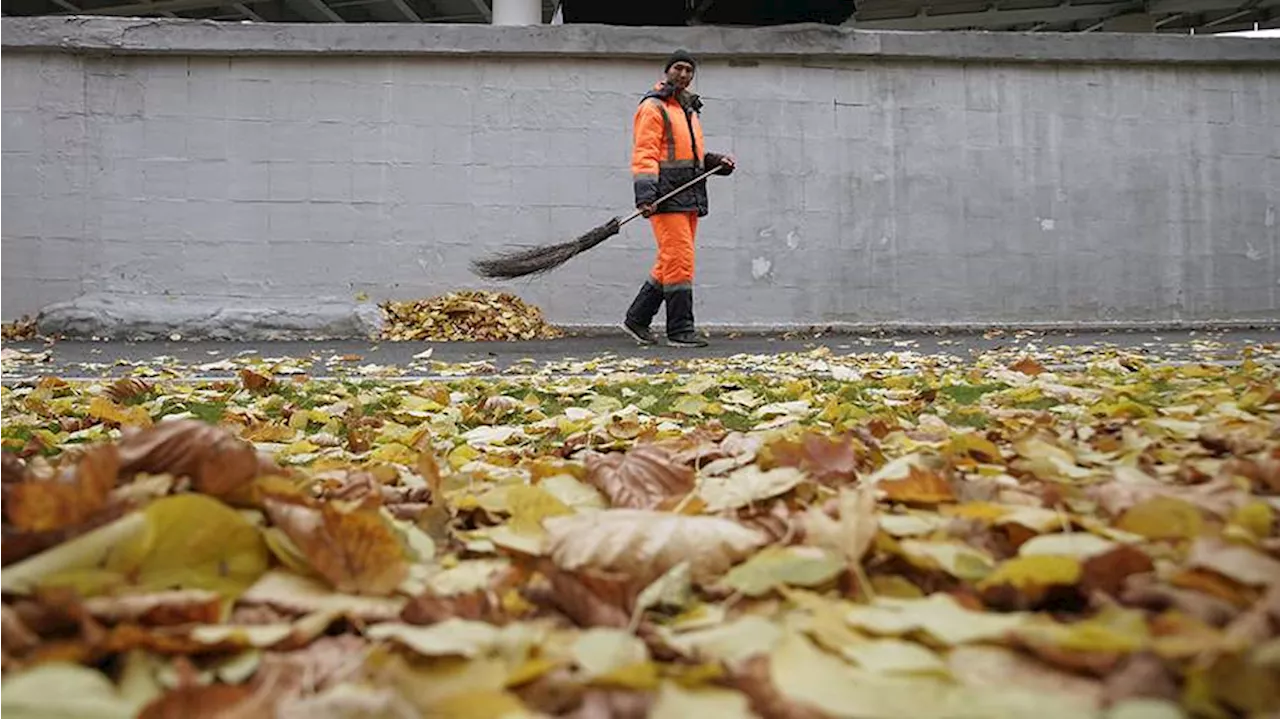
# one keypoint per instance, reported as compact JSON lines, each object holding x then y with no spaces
{"x":539,"y":260}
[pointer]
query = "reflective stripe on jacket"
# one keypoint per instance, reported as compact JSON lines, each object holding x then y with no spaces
{"x":667,"y":150}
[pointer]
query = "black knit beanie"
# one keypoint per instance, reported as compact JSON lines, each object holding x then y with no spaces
{"x":680,"y":56}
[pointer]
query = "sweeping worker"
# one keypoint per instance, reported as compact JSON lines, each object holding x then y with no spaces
{"x":668,"y":151}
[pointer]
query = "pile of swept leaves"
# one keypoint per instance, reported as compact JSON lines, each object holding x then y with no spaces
{"x":471,"y":316}
{"x":980,"y":541}
{"x":18,"y":330}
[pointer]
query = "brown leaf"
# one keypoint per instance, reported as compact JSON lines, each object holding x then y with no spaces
{"x":481,"y":605}
{"x":185,"y":606}
{"x":1028,"y":366}
{"x":257,"y":699}
{"x":920,"y":486}
{"x":639,"y":479}
{"x":213,"y":701}
{"x":13,"y":468}
{"x":255,"y":381}
{"x":555,"y":693}
{"x":1108,"y":571}
{"x":645,"y":544}
{"x":127,"y":388}
{"x":15,"y":636}
{"x":351,"y":545}
{"x":1142,"y":590}
{"x":18,"y":545}
{"x":325,"y":662}
{"x":1141,"y":676}
{"x":68,"y":500}
{"x":830,"y":460}
{"x":588,"y":597}
{"x":218,"y":462}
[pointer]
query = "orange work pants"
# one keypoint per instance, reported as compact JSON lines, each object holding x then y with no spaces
{"x":675,"y":233}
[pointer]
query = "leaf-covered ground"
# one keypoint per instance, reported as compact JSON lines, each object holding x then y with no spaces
{"x":1072,"y":532}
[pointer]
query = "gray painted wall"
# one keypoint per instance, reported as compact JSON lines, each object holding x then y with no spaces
{"x":887,"y":178}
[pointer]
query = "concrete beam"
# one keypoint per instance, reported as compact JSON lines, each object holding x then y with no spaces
{"x":798,"y":43}
{"x":996,"y":17}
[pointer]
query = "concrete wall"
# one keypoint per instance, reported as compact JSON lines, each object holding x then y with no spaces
{"x":897,"y":178}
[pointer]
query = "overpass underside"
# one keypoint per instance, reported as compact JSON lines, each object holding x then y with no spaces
{"x":1145,"y":16}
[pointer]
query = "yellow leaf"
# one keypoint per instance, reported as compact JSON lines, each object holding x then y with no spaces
{"x":395,"y":453}
{"x":1113,"y":630}
{"x":938,"y":615}
{"x":530,"y":505}
{"x":102,"y":408}
{"x":1163,"y":518}
{"x":1033,"y":575}
{"x":958,"y":560}
{"x":354,"y":547}
{"x":676,"y":702}
{"x":778,"y":566}
{"x":194,"y":542}
{"x":1256,"y":517}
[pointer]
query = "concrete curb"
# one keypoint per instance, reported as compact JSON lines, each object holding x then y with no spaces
{"x":134,"y":317}
{"x":809,"y":42}
{"x":128,"y":317}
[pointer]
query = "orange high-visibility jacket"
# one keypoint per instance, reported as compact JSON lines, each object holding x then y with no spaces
{"x":667,"y":150}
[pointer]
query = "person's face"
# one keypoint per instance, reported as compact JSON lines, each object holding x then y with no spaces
{"x":680,"y":75}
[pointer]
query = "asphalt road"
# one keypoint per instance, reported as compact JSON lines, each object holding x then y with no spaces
{"x":96,"y":359}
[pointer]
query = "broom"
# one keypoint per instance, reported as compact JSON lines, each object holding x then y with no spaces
{"x":538,"y":260}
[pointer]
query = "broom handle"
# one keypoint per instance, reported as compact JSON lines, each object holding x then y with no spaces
{"x":674,"y":192}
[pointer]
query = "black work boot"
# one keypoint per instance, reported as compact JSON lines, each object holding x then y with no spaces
{"x":680,"y":329}
{"x":640,"y":314}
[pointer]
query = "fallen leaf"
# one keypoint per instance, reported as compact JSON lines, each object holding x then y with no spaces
{"x":1028,"y":366}
{"x":938,"y":615}
{"x":746,"y":486}
{"x":852,"y":535}
{"x":194,"y":542}
{"x":775,"y":567}
{"x":733,"y":643}
{"x":1078,"y":545}
{"x":355,"y":547}
{"x":920,"y":486}
{"x":1107,"y":572}
{"x":1033,"y":576}
{"x":830,"y":460}
{"x":642,"y":478}
{"x":599,"y":652}
{"x":676,"y":702}
{"x":645,"y":544}
{"x":217,"y":462}
{"x":61,"y":691}
{"x":996,"y":668}
{"x":1235,"y":561}
{"x":1162,"y":518}
{"x":39,"y":505}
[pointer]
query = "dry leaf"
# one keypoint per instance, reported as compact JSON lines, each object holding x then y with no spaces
{"x":354,"y":547}
{"x":746,"y":486}
{"x":645,"y":544}
{"x":217,"y":462}
{"x":830,"y":460}
{"x":1234,"y":561}
{"x":40,"y":505}
{"x":642,"y":478}
{"x":920,"y":486}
